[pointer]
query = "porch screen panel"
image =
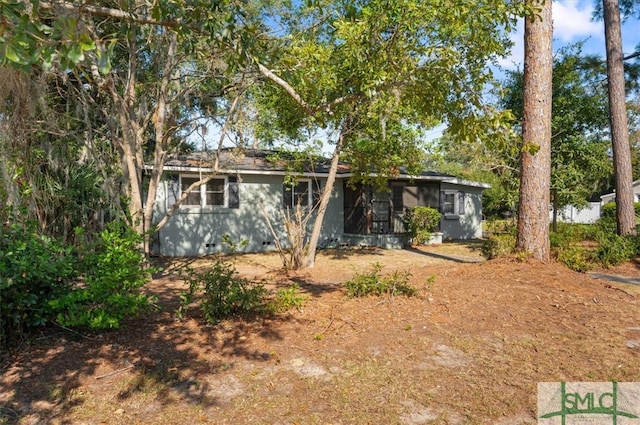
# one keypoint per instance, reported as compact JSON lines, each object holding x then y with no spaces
{"x":410,"y":196}
{"x":397,"y":192}
{"x":429,"y":194}
{"x":355,"y":219}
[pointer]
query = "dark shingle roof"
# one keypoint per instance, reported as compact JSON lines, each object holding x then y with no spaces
{"x":279,"y":162}
{"x":249,"y":160}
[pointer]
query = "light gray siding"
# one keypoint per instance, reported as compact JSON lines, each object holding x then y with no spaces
{"x":201,"y":231}
{"x":465,"y":224}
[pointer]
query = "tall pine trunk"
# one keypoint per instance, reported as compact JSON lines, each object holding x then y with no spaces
{"x":625,"y":213}
{"x":535,"y":160}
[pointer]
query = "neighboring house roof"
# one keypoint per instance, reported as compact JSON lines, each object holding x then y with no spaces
{"x":611,"y":196}
{"x":269,"y":162}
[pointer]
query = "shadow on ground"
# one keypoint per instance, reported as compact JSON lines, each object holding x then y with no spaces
{"x":42,"y":379}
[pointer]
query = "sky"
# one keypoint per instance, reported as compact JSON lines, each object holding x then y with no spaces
{"x":572,"y":22}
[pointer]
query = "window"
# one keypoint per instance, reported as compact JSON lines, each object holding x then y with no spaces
{"x":210,"y":194}
{"x":304,"y":192}
{"x":452,"y":203}
{"x":449,"y":203}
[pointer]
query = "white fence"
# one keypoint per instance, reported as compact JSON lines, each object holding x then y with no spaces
{"x":571,"y":214}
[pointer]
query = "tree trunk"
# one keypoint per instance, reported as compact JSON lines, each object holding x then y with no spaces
{"x":625,"y":213}
{"x":312,"y":246}
{"x":159,"y":124}
{"x":535,"y":160}
{"x":554,"y":201}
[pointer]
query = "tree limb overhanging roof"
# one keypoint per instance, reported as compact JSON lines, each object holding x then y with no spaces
{"x":272,"y":162}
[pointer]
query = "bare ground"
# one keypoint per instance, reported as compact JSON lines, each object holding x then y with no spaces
{"x":470,"y":348}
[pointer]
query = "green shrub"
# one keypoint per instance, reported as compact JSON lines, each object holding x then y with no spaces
{"x":493,"y":226}
{"x":373,"y":283}
{"x":286,"y":299}
{"x":608,"y":220}
{"x":223,"y":293}
{"x":110,"y":290}
{"x":498,"y":245}
{"x":422,"y":222}
{"x":34,"y":269}
{"x":614,"y":249}
{"x":575,"y":257}
{"x":571,"y":233}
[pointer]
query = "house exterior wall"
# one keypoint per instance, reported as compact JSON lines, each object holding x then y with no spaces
{"x":571,"y":214}
{"x":610,"y":197}
{"x":201,"y":231}
{"x":467,"y":224}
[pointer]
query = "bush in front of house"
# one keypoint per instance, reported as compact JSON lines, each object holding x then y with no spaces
{"x":114,"y":272}
{"x":575,"y":257}
{"x":44,"y":281}
{"x":608,"y":221}
{"x":34,"y":269}
{"x":221,"y":292}
{"x":286,"y":299}
{"x":375,"y":283}
{"x":614,"y":249}
{"x":498,"y":245}
{"x":583,"y":246}
{"x":422,"y":222}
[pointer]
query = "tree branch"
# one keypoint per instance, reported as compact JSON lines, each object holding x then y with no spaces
{"x":286,"y":87}
{"x":109,"y":12}
{"x":631,"y":56}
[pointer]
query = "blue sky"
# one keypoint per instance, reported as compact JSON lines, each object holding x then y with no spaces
{"x":572,"y":23}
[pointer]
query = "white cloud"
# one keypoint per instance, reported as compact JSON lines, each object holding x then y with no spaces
{"x":572,"y":21}
{"x":517,"y":50}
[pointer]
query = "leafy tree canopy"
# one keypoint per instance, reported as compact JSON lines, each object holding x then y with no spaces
{"x":388,"y":69}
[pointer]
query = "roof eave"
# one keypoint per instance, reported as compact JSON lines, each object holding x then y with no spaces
{"x":439,"y":178}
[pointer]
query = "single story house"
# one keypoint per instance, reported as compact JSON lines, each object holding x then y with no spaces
{"x":609,"y":197}
{"x":588,"y":214}
{"x":249,"y":186}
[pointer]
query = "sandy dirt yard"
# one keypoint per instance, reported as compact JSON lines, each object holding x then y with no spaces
{"x":469,"y":348}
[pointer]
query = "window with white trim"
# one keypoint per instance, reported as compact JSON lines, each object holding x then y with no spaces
{"x":452,"y":203}
{"x":210,"y":194}
{"x":299,"y":193}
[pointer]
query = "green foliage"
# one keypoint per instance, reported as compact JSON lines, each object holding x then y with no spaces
{"x":232,"y":245}
{"x":608,"y":220}
{"x":614,"y":249}
{"x":499,"y":226}
{"x":580,"y":163}
{"x":376,"y":74}
{"x":34,"y":269}
{"x":574,"y":256}
{"x":422,"y":222}
{"x":286,"y":299}
{"x":36,"y":34}
{"x":580,"y":247}
{"x":110,"y":290}
{"x":222,"y":293}
{"x":568,"y":234}
{"x":498,"y":245}
{"x":374,"y":283}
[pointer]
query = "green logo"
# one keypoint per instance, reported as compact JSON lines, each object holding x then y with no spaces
{"x":596,"y":403}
